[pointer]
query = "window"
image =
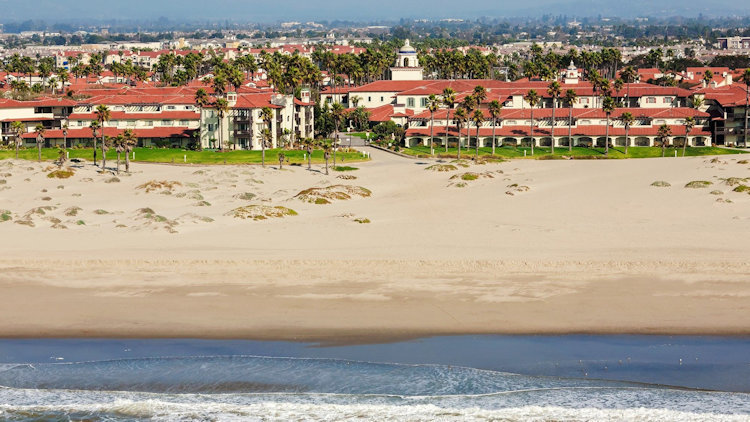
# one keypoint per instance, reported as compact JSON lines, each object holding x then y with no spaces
{"x":382,"y":99}
{"x":423,"y":102}
{"x":667,"y":100}
{"x":80,"y":123}
{"x":584,"y":101}
{"x":171,"y":107}
{"x":149,"y":123}
{"x":651,"y":100}
{"x":184,"y":123}
{"x":369,"y":99}
{"x":410,"y":102}
{"x":166,"y":123}
{"x":211,"y":127}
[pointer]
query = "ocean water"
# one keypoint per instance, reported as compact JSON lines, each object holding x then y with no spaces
{"x":170,"y":380}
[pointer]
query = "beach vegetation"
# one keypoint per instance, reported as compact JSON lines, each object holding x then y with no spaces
{"x":261,"y":212}
{"x":61,"y":174}
{"x":332,"y":193}
{"x":734,"y":181}
{"x":661,"y":184}
{"x":698,"y":184}
{"x":347,"y":177}
{"x":101,"y":212}
{"x":163,"y":185}
{"x":5,"y":215}
{"x":742,"y":189}
{"x":344,"y":168}
{"x":245,"y":196}
{"x":72,"y":211}
{"x":362,"y":220}
{"x":112,"y":180}
{"x":716,"y":192}
{"x":80,"y":223}
{"x":442,"y":167}
{"x":579,"y":152}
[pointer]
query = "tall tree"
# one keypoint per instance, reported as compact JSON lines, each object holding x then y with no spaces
{"x":18,"y":130}
{"x":337,"y":110}
{"x":201,"y":101}
{"x":478,"y":119}
{"x":470,"y":104}
{"x":130,"y":142}
{"x":608,"y":106}
{"x":39,"y":130}
{"x":627,"y":119}
{"x":554,"y":91}
{"x":326,"y":153}
{"x":533,"y":99}
{"x":494,"y":108}
{"x":746,"y":79}
{"x":102,"y":116}
{"x":449,"y":99}
{"x":433,"y":104}
{"x":459,"y":117}
{"x":570,"y":98}
{"x":689,"y":125}
{"x":119,"y":143}
{"x":222,"y":108}
{"x":266,"y":114}
{"x":664,"y":133}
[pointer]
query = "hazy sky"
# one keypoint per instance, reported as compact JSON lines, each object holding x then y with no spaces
{"x":368,"y":10}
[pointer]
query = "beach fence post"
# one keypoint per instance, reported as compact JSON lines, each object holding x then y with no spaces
{"x":184,"y":158}
{"x":67,"y":155}
{"x":524,"y":153}
{"x":133,"y":155}
{"x":675,"y":153}
{"x":304,"y":156}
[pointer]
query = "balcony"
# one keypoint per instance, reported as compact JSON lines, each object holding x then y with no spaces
{"x":243,"y":133}
{"x":243,"y":119}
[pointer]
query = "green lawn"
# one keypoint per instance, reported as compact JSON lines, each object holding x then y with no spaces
{"x":193,"y":157}
{"x":618,"y":152}
{"x":362,"y":135}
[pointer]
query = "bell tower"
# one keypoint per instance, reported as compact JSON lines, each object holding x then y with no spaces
{"x":407,"y":65}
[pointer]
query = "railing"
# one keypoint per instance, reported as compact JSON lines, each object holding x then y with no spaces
{"x":243,"y":132}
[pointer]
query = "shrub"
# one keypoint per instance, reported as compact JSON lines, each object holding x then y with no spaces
{"x":362,"y":220}
{"x":80,"y":223}
{"x":344,"y":168}
{"x":441,"y":167}
{"x":72,"y":211}
{"x":698,"y":184}
{"x":101,"y":212}
{"x":330,"y":193}
{"x":164,"y":185}
{"x":661,"y":184}
{"x":61,"y":174}
{"x":742,"y":188}
{"x":260,"y":212}
{"x":247,"y":196}
{"x":5,"y":216}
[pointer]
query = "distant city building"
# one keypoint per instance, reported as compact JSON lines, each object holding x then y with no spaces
{"x":734,"y":43}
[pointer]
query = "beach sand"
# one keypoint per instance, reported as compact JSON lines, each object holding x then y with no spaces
{"x":582,"y":246}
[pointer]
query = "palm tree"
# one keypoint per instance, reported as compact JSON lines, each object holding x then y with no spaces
{"x":222,"y":108}
{"x":494,"y":108}
{"x":533,"y":99}
{"x":106,"y":140}
{"x":281,"y":160}
{"x":449,"y":99}
{"x":627,"y":119}
{"x":338,"y":112}
{"x":608,"y":105}
{"x":628,"y":76}
{"x":554,"y":90}
{"x":119,"y":144}
{"x":326,"y":153}
{"x":95,"y":129}
{"x":102,"y":116}
{"x":309,"y":144}
{"x":130,"y":142}
{"x":433,"y":104}
{"x":201,"y":100}
{"x":39,"y":130}
{"x":267,"y":115}
{"x":65,"y":135}
{"x":689,"y":125}
{"x":746,"y":79}
{"x":664,"y":133}
{"x":18,"y":130}
{"x":459,"y":117}
{"x":570,"y":98}
{"x":470,"y":104}
{"x":478,"y":119}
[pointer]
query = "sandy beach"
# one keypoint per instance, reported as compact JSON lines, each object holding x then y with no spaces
{"x":525,"y":246}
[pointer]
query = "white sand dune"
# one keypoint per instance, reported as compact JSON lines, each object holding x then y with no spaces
{"x":591,"y":246}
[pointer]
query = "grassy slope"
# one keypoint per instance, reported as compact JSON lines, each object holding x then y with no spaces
{"x":193,"y":157}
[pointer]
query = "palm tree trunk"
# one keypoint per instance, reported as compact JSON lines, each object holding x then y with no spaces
{"x":663,"y":146}
{"x":606,"y":137}
{"x":17,"y":149}
{"x":326,"y":165}
{"x":459,"y":141}
{"x":39,"y":148}
{"x":118,"y":162}
{"x":95,"y":150}
{"x":531,"y":131}
{"x":127,"y":161}
{"x":447,"y":112}
{"x":263,"y":153}
{"x":627,"y":138}
{"x":432,"y":131}
{"x":494,"y":124}
{"x":477,"y":147}
{"x":570,"y":129}
{"x":684,"y":144}
{"x":309,"y":158}
{"x":552,"y":131}
{"x":104,"y":156}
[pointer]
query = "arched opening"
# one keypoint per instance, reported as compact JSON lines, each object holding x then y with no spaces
{"x":545,"y":142}
{"x":679,"y":141}
{"x":453,"y":142}
{"x":620,"y":141}
{"x":510,"y":142}
{"x":413,"y":142}
{"x":526,"y":142}
{"x":488,"y":141}
{"x":642,"y":141}
{"x":406,"y":62}
{"x":564,"y":141}
{"x":699,"y":141}
{"x":585,"y":141}
{"x":600,"y":141}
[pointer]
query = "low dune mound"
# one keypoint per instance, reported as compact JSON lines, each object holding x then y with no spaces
{"x":347,"y":177}
{"x":153,"y":220}
{"x":112,"y":180}
{"x":734,"y":181}
{"x":515,"y":188}
{"x":163,"y":186}
{"x":245,"y":196}
{"x":194,"y":219}
{"x":742,"y":189}
{"x":461,"y":163}
{"x":260,"y":212}
{"x":698,"y":184}
{"x":716,"y":192}
{"x":62,"y":174}
{"x":661,"y":184}
{"x":470,"y":176}
{"x":327,"y":194}
{"x":442,"y":167}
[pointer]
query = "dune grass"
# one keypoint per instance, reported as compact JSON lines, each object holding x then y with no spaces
{"x":578,"y":152}
{"x":178,"y":156}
